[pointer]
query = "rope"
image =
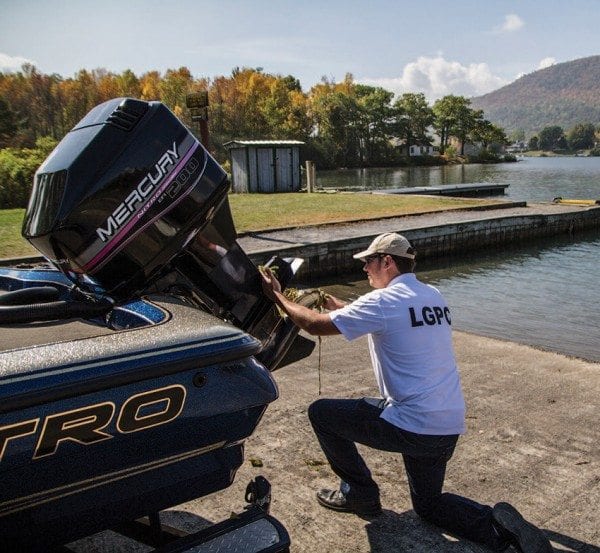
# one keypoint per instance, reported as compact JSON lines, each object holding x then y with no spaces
{"x":320,"y":302}
{"x":317,"y":302}
{"x":319,"y":365}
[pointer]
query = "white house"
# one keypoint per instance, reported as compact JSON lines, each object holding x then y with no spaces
{"x":418,"y":149}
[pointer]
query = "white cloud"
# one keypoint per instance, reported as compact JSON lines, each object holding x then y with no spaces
{"x":12,"y":63}
{"x":546,"y":62}
{"x":512,"y":22}
{"x":437,"y":77}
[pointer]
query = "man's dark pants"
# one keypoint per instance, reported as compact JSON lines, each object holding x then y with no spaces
{"x":341,"y":423}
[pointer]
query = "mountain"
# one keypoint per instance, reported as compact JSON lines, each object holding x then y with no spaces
{"x":563,"y":94}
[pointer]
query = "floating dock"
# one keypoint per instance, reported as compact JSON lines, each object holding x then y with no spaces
{"x":471,"y":189}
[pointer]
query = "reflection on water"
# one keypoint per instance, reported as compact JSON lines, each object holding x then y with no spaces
{"x":390,"y":177}
{"x":530,"y":179}
{"x":544,"y":294}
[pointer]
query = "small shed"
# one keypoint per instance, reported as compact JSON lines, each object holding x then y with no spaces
{"x":265,"y":165}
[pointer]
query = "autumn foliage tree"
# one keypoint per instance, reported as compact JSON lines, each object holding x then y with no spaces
{"x":352,"y":124}
{"x":343,"y":124}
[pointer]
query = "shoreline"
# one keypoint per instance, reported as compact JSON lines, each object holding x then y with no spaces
{"x":327,"y":251}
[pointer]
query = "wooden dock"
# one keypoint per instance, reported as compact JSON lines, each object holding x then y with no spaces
{"x":471,"y":189}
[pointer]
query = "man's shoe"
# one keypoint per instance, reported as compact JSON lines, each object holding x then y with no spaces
{"x":337,"y":500}
{"x":526,"y":537}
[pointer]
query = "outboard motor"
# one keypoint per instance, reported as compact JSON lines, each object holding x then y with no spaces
{"x":122,"y":194}
{"x":131,"y":201}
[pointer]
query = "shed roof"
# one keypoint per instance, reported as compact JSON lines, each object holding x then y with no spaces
{"x":242,"y":143}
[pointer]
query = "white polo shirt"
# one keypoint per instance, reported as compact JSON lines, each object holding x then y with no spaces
{"x":410,"y":342}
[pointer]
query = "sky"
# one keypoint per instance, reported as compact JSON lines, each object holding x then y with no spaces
{"x":438,"y":47}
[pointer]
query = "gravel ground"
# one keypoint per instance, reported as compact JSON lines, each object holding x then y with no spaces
{"x":532,"y":439}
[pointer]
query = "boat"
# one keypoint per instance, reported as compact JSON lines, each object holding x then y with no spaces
{"x":138,"y":356}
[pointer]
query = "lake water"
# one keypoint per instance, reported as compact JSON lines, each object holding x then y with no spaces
{"x":539,"y":179}
{"x":546,"y":293}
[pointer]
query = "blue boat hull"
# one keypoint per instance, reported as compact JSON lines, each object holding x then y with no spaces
{"x":121,"y":423}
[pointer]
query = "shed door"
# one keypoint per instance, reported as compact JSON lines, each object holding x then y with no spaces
{"x":266,"y":174}
{"x":239,"y":171}
{"x":283,"y":169}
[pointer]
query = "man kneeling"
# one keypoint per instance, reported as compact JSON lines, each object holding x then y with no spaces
{"x":421,"y":412}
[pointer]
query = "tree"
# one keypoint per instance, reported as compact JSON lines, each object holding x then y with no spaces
{"x":534,"y":143}
{"x":443,"y":122}
{"x":344,"y":123}
{"x":337,"y":117}
{"x":285,"y":109}
{"x":518,"y":135}
{"x":17,"y":168}
{"x":174,"y":88}
{"x":454,"y":117}
{"x":489,"y":135}
{"x":80,"y":95}
{"x":298,"y":123}
{"x":581,"y":136}
{"x":467,"y":120}
{"x":237,"y":104}
{"x":549,"y":138}
{"x":562,"y":143}
{"x":150,"y":86}
{"x":8,"y":127}
{"x":26,"y":92}
{"x":129,"y":85}
{"x":44,"y":108}
{"x":375,"y":124}
{"x":413,"y":119}
{"x":107,"y":85}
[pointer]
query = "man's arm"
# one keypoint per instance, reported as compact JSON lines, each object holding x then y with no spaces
{"x":313,"y":322}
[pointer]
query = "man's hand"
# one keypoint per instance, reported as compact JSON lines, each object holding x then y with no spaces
{"x":270,"y":284}
{"x":317,"y":324}
{"x":331,"y":302}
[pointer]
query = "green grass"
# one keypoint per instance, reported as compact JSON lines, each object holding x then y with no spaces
{"x":267,"y":211}
{"x":11,"y":242}
{"x":252,"y":212}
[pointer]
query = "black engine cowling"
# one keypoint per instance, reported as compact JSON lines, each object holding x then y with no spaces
{"x":122,"y":194}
